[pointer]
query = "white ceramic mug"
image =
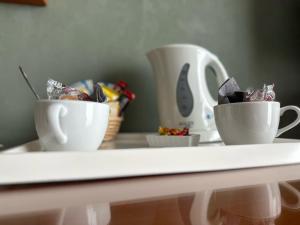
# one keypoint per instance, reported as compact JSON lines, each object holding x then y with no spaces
{"x":251,"y":122}
{"x":64,"y":125}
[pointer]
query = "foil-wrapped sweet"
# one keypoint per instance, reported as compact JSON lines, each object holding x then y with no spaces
{"x":57,"y":90}
{"x":230,"y":92}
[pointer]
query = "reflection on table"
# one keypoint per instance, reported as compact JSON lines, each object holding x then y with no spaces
{"x":264,"y":204}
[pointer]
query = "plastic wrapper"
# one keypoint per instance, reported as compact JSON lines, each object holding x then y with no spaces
{"x":54,"y":89}
{"x":110,"y":93}
{"x":85,"y":86}
{"x":120,"y":86}
{"x":227,"y":91}
{"x":57,"y":90}
{"x":265,"y":94}
{"x":117,"y":93}
{"x":85,"y":90}
{"x":230,"y":92}
{"x":100,"y":96}
{"x":125,"y":99}
{"x":173,"y":131}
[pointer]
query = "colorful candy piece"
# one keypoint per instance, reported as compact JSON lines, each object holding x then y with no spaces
{"x":54,"y":89}
{"x":85,"y":86}
{"x":111,"y":94}
{"x":125,"y":99}
{"x":100,"y":96}
{"x":230,"y":92}
{"x":265,"y":94}
{"x":120,"y":86}
{"x":173,"y":131}
{"x":57,"y":90}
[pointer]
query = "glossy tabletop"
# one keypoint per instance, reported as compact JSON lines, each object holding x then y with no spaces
{"x":250,"y":196}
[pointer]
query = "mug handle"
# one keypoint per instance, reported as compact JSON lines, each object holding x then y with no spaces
{"x":291,"y":125}
{"x":294,"y":192}
{"x":56,"y":111}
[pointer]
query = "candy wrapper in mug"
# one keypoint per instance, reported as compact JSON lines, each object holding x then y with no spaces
{"x":265,"y":94}
{"x":230,"y":92}
{"x":57,"y":90}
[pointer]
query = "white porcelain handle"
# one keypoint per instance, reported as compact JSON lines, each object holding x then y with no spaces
{"x":291,"y":125}
{"x":219,"y":69}
{"x":294,"y":192}
{"x":55,"y":112}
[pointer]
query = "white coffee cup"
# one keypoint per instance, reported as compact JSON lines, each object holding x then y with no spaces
{"x":64,"y":125}
{"x":251,"y":122}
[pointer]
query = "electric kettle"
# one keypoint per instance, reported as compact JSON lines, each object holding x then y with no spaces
{"x":183,"y":95}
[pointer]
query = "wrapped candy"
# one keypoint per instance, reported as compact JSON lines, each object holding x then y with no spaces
{"x":54,"y":89}
{"x":85,"y":86}
{"x":125,"y":99}
{"x":85,"y":90}
{"x":100,"y":96}
{"x":173,"y":131}
{"x":120,"y":86}
{"x":57,"y":90}
{"x":111,"y":94}
{"x":227,"y":92}
{"x":265,"y":94}
{"x":230,"y":92}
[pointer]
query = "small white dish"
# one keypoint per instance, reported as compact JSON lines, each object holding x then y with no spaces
{"x":155,"y":140}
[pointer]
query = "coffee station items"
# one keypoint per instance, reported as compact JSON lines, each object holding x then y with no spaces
{"x":57,"y":90}
{"x":64,"y":125}
{"x":230,"y":92}
{"x":250,"y":117}
{"x":80,"y":124}
{"x":179,"y":74}
{"x":118,"y":99}
{"x":173,"y":137}
{"x":173,"y":131}
{"x":117,"y":96}
{"x":118,"y":93}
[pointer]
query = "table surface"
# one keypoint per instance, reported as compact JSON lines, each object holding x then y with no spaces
{"x":44,"y":202}
{"x":155,"y":200}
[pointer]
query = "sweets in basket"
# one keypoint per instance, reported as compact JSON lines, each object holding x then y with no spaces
{"x":117,"y":96}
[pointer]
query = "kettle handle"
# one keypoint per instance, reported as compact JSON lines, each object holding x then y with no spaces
{"x":221,"y":74}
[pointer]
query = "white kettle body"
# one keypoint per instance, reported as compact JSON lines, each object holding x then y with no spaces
{"x":183,"y":96}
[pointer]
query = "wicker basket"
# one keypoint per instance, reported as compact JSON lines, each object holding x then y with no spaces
{"x":114,"y":124}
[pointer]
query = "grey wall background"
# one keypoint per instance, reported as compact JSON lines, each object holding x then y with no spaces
{"x":258,"y":42}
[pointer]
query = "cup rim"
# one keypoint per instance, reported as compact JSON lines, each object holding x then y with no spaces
{"x":247,"y":103}
{"x":72,"y":102}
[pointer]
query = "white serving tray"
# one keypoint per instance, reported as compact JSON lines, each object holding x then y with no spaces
{"x":129,"y":156}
